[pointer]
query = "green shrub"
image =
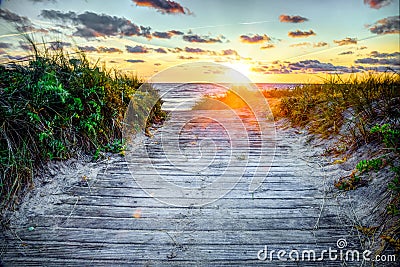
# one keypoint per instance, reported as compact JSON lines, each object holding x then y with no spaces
{"x":57,"y":106}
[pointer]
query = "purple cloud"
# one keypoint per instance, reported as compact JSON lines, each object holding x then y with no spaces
{"x":163,"y":6}
{"x":254,"y":39}
{"x":194,"y":38}
{"x":389,"y":25}
{"x":301,"y":34}
{"x":136,"y":49}
{"x":135,"y":60}
{"x":91,"y":25}
{"x":292,"y":19}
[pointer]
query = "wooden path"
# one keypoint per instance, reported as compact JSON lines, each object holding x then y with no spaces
{"x":128,"y":216}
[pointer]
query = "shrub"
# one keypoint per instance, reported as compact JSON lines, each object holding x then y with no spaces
{"x":56,"y":107}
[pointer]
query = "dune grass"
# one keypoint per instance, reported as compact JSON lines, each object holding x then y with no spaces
{"x":358,"y":111}
{"x":56,"y":106}
{"x":358,"y":104}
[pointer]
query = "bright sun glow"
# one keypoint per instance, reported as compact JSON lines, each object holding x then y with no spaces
{"x":243,"y":68}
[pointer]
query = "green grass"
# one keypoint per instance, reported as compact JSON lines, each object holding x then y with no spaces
{"x":57,"y":106}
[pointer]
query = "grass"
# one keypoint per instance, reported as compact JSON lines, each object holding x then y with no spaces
{"x":324,"y":108}
{"x":358,"y":111}
{"x":57,"y":106}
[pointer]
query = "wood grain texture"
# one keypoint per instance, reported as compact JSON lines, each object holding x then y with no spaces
{"x":112,"y":221}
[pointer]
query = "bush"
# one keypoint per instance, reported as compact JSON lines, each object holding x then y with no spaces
{"x":56,"y":107}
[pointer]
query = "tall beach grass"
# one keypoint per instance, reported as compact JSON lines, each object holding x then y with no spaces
{"x":56,"y":106}
{"x":364,"y":110}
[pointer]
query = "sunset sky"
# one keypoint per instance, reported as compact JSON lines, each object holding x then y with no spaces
{"x":291,"y":41}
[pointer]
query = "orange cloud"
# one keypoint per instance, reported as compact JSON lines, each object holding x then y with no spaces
{"x":346,"y":41}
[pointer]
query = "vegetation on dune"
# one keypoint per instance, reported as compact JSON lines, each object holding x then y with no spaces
{"x":57,"y":106}
{"x":359,"y":111}
{"x":325,"y":108}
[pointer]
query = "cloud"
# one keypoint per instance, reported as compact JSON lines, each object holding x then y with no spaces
{"x":18,"y":57}
{"x":25,"y":46}
{"x":389,"y":25}
{"x":272,"y":69}
{"x":377,"y":4}
{"x":135,"y":60}
{"x":59,"y":45}
{"x":301,"y":34}
{"x":194,"y":50}
{"x":315,"y":66}
{"x":5,"y":45}
{"x":102,"y":49}
{"x":166,"y":35}
{"x":175,"y":50}
{"x":268,"y":46}
{"x":292,"y":19}
{"x":175,"y":32}
{"x":380,"y":68}
{"x":160,"y":50}
{"x":377,"y":58}
{"x":320,"y":44}
{"x":87,"y":48}
{"x":384,"y":55}
{"x":187,"y":58}
{"x":254,"y":39}
{"x":346,"y":53}
{"x":345,"y":41}
{"x":229,"y":52}
{"x":136,"y":49}
{"x":58,"y":15}
{"x":194,"y":38}
{"x":164,"y":6}
{"x":9,"y":16}
{"x":90,"y":24}
{"x":301,"y":44}
{"x":376,"y":61}
{"x":305,"y":66}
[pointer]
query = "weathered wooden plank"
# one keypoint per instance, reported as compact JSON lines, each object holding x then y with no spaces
{"x":184,"y":223}
{"x":130,"y":252}
{"x":111,"y":220}
{"x":91,"y":208}
{"x":246,"y":207}
{"x":225,"y":237}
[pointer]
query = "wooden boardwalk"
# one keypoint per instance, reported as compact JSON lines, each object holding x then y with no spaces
{"x":199,"y":213}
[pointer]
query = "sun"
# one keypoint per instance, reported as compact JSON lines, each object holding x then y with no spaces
{"x":241,"y":67}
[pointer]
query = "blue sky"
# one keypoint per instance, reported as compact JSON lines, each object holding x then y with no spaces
{"x":269,"y":41}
